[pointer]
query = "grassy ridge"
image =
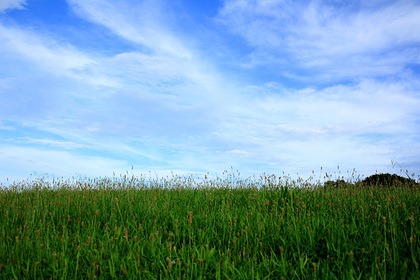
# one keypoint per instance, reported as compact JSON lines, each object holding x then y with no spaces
{"x":104,"y":229}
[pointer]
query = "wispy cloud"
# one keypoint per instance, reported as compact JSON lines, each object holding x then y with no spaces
{"x":336,"y":38}
{"x":137,"y":22}
{"x":337,"y":125}
{"x":5,"y":126}
{"x":60,"y":163}
{"x":48,"y":142}
{"x":11,"y":4}
{"x":41,"y":50}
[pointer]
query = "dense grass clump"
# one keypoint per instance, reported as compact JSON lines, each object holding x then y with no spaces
{"x":108,"y":228}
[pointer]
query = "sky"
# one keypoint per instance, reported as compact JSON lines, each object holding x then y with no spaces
{"x":94,"y":88}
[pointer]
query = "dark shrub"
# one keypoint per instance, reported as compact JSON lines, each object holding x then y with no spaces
{"x":388,"y":180}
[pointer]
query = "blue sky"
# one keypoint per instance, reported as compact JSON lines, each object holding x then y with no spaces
{"x":93,"y":87}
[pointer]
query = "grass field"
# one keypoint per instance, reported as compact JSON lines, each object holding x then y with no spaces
{"x":129,"y":229}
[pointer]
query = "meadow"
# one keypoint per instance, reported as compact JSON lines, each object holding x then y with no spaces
{"x":130,"y":228}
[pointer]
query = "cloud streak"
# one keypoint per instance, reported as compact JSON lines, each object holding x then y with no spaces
{"x":12,"y":4}
{"x":337,"y":38}
{"x":137,"y":23}
{"x":42,"y":51}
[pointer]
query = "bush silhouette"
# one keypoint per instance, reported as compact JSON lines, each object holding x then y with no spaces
{"x":388,"y":180}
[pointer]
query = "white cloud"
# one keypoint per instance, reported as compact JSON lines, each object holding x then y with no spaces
{"x":48,"y":142}
{"x":343,"y":42}
{"x":59,"y":163}
{"x":11,"y":4}
{"x":339,"y":125}
{"x":240,"y":153}
{"x":45,"y":52}
{"x":141,"y":23}
{"x":161,"y":56}
{"x":332,"y":32}
{"x":363,"y":105}
{"x":5,"y":127}
{"x":166,"y":62}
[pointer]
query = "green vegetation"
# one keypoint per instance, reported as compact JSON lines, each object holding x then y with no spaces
{"x":388,"y":180}
{"x":177,"y":229}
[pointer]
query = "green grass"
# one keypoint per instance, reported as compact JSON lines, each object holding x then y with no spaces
{"x":127,"y":228}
